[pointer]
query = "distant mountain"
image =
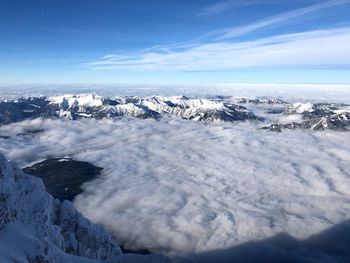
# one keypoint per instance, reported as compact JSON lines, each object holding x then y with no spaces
{"x":261,"y":100}
{"x":311,"y":111}
{"x":319,"y":116}
{"x":339,"y":122}
{"x":315,"y":116}
{"x":92,"y":106}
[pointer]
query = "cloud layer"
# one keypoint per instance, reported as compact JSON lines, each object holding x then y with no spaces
{"x":176,"y":185}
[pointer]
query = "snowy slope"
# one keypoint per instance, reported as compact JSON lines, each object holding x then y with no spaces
{"x":35,"y":227}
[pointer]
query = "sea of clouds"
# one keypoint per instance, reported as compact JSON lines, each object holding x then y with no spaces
{"x":179,"y":186}
{"x":289,"y":92}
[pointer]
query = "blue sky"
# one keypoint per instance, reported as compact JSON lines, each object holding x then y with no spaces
{"x":174,"y":41}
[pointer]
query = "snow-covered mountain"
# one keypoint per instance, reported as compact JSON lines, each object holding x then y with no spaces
{"x":318,"y":116}
{"x":275,"y":112}
{"x":310,"y":110}
{"x":35,"y":227}
{"x":93,"y":106}
{"x":340,"y":121}
{"x":262,"y":100}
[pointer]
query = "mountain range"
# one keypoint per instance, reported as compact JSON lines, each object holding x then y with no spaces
{"x":315,"y":116}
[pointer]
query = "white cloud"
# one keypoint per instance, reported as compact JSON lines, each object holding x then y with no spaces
{"x":218,"y":50}
{"x":189,"y":187}
{"x":313,"y":48}
{"x":281,"y":18}
{"x":224,"y":6}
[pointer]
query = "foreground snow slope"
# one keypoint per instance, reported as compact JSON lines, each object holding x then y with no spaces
{"x":35,"y":227}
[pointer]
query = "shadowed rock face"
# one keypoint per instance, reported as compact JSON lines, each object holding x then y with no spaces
{"x":25,"y":108}
{"x":63,"y":177}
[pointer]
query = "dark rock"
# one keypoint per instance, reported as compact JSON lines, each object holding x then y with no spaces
{"x":63,"y":177}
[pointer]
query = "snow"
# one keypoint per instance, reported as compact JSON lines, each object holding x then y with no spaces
{"x":209,"y":109}
{"x":35,"y":227}
{"x":64,"y":160}
{"x":183,"y":102}
{"x":83,"y":100}
{"x":34,"y":224}
{"x":344,"y":110}
{"x":299,"y":108}
{"x":198,"y":109}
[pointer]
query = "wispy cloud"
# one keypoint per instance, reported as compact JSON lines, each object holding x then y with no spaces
{"x":221,"y":50}
{"x":281,"y":18}
{"x":222,"y":6}
{"x":227,"y":5}
{"x":301,"y":49}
